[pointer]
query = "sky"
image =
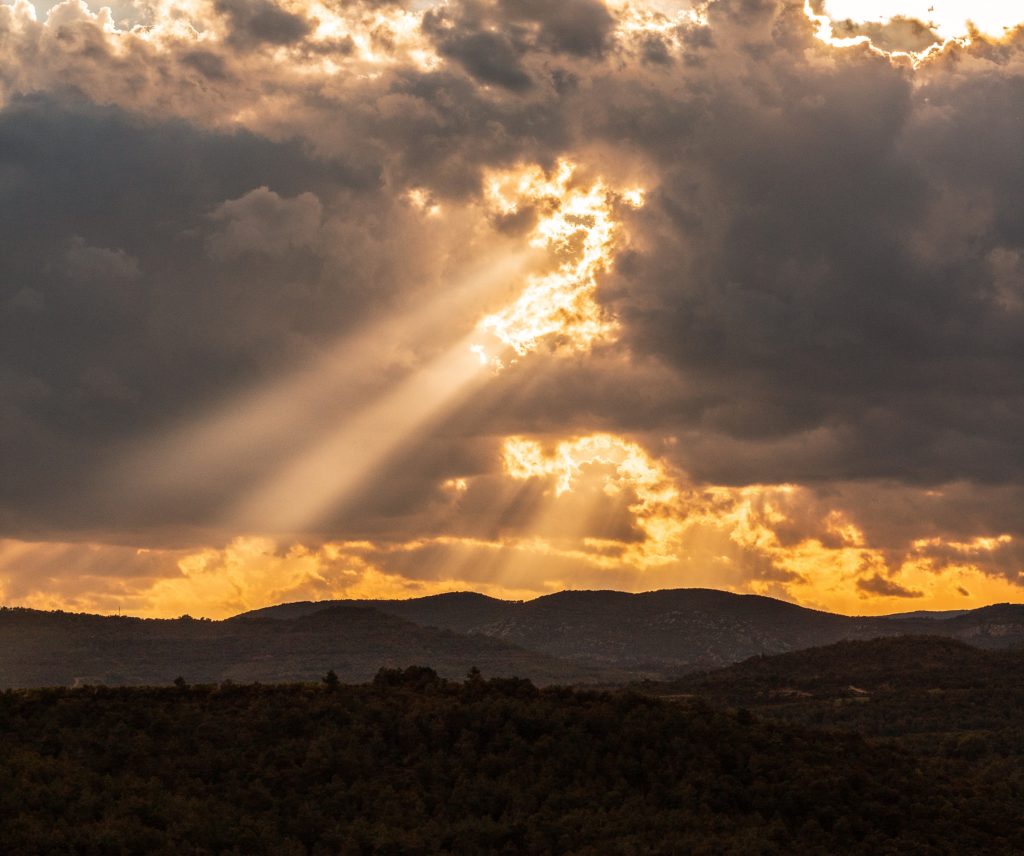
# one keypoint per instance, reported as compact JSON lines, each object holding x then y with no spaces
{"x":309,"y":300}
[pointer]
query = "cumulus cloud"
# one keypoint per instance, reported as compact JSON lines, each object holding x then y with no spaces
{"x":263,"y":222}
{"x":87,"y":262}
{"x":262,"y":22}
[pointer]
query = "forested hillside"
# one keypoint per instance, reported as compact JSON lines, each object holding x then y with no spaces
{"x":411,"y":764}
{"x":940,"y":698}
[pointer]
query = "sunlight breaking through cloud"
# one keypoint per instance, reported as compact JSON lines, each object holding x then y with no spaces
{"x":655,"y":505}
{"x":912,"y":29}
{"x":578,"y":226}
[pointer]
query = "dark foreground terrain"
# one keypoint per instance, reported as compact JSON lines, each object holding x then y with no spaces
{"x":411,"y":764}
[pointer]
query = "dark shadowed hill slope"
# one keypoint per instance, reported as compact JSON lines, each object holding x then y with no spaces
{"x":997,"y":626}
{"x":937,"y":614}
{"x":906,"y":662}
{"x":935,"y":695}
{"x":666,"y":631}
{"x":674,"y":631}
{"x":53,"y":648}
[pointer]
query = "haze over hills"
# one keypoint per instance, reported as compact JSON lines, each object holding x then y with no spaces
{"x":568,"y":637}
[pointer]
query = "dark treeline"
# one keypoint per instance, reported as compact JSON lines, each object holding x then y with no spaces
{"x":414,"y":764}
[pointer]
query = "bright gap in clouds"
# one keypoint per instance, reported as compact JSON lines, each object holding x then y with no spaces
{"x":948,"y":18}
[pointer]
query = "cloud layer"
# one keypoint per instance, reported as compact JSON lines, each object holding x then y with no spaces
{"x":250,"y":244}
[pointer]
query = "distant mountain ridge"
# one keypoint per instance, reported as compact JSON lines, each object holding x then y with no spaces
{"x":672,"y":630}
{"x":567,"y":637}
{"x":53,"y":648}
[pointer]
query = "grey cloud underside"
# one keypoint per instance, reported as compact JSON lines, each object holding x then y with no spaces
{"x":826,"y":284}
{"x":491,"y":41}
{"x":256,"y":22}
{"x":887,"y":588}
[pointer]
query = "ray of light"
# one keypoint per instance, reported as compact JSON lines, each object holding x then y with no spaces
{"x":656,"y":504}
{"x":273,"y":421}
{"x":328,"y":471}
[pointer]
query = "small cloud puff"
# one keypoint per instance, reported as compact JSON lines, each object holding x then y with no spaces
{"x":264,"y":222}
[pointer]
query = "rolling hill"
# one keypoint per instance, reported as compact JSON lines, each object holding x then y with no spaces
{"x":568,"y":637}
{"x":53,"y":648}
{"x":672,"y":631}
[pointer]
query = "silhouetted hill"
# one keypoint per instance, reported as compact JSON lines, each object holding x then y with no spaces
{"x":55,"y":648}
{"x":998,"y":626}
{"x":677,"y":630}
{"x":938,"y":614}
{"x":463,"y":612}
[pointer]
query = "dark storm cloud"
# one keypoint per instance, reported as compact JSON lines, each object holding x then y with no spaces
{"x":440,"y":129}
{"x":133,"y":288}
{"x":491,"y":40}
{"x":490,"y":58}
{"x":818,"y":260}
{"x":208,"y":64}
{"x":578,"y":27}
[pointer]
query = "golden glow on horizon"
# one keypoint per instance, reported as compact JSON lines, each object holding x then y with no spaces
{"x":575,"y":224}
{"x":252,"y":572}
{"x":965,"y":548}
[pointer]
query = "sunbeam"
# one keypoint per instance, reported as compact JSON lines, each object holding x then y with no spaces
{"x":272,"y":422}
{"x":329,"y":470}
